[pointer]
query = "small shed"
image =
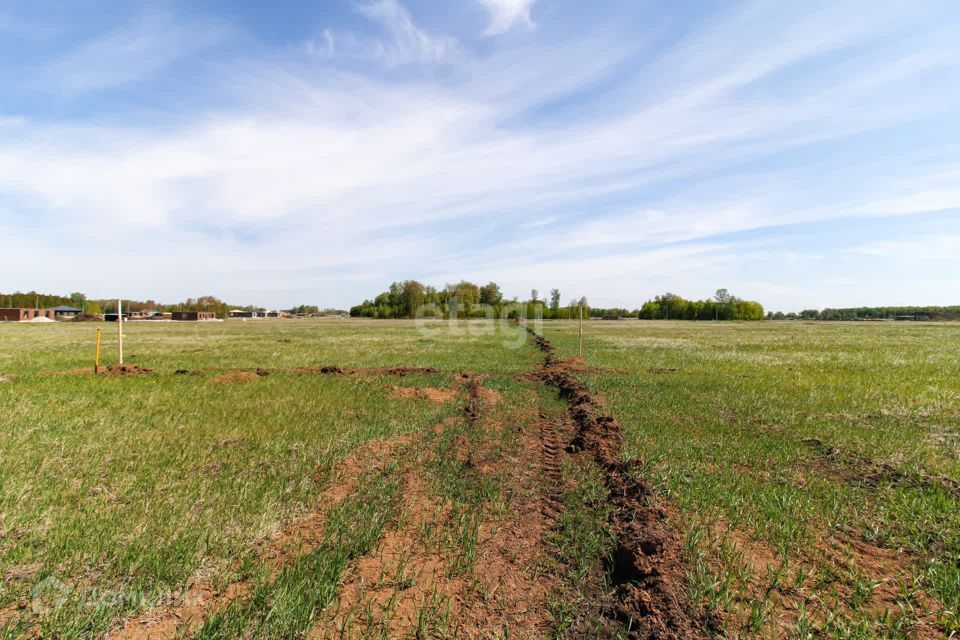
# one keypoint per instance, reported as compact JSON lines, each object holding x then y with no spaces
{"x":64,"y":311}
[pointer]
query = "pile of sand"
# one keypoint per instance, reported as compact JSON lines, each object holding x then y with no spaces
{"x":41,"y":319}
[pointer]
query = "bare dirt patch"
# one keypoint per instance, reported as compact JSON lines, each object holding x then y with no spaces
{"x":108,"y":370}
{"x":6,"y":377}
{"x":411,"y":585}
{"x":9,"y":616}
{"x":438,"y":396}
{"x":125,"y":370}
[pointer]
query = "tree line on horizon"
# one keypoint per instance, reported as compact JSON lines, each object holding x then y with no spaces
{"x":403,"y":298}
{"x":411,"y":298}
{"x":723,"y":306}
{"x":933,"y":312}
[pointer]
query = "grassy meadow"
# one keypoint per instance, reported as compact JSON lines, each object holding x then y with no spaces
{"x":138,"y":484}
{"x":808,"y":468}
{"x":808,"y":464}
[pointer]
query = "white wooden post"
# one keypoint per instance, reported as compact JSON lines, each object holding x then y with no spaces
{"x":581,"y":330}
{"x":120,"y":331}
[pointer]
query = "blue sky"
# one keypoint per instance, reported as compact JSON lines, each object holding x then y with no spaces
{"x":801,"y":154}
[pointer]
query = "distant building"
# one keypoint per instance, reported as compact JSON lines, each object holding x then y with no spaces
{"x":193,"y":316}
{"x":65,"y":313}
{"x":243,"y":313}
{"x":277,"y":314}
{"x":16,"y":314}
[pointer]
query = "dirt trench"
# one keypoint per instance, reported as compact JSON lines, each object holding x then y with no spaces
{"x":648,"y":566}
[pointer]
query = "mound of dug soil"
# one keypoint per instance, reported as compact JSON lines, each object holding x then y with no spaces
{"x":335,"y":369}
{"x":402,"y":371}
{"x":124,"y":370}
{"x":648,"y":566}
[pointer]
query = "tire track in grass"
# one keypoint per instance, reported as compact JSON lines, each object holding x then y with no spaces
{"x":464,"y":558}
{"x":285,"y":605}
{"x":302,"y":536}
{"x":647,"y":566}
{"x":203,"y":599}
{"x":549,"y":463}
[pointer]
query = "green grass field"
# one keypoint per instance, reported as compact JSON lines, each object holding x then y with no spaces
{"x":804,"y":462}
{"x":807,"y":467}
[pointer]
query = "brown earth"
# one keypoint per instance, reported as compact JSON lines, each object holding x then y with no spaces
{"x":9,"y":616}
{"x":108,"y":370}
{"x":411,"y":582}
{"x":432,"y":394}
{"x":124,"y":370}
{"x":648,"y":564}
{"x":367,"y":371}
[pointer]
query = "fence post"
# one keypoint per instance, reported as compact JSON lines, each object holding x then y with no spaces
{"x":581,"y":330}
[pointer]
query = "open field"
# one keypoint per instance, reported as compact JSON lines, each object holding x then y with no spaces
{"x":285,"y":479}
{"x":809,"y":466}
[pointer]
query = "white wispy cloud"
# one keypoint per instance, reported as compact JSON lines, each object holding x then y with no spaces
{"x":505,"y":14}
{"x":130,"y":53}
{"x":405,"y":42}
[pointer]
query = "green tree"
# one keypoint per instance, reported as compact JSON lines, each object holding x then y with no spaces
{"x":555,"y":302}
{"x":491,"y":294}
{"x":412,"y":295}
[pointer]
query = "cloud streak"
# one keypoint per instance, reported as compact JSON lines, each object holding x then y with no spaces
{"x":128,"y":54}
{"x":405,"y":42}
{"x":505,"y":14}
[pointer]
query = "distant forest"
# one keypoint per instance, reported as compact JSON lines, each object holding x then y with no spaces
{"x":871,"y":313}
{"x":408,"y":298}
{"x":463,"y":300}
{"x":723,"y":306}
